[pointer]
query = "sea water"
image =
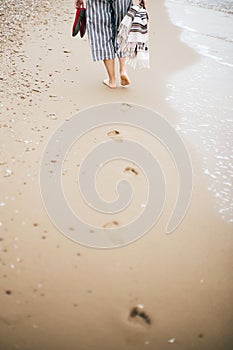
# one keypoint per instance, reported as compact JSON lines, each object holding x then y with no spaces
{"x":208,"y":26}
{"x":202,"y":93}
{"x":217,"y":5}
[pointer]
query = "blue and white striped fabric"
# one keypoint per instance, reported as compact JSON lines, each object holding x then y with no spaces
{"x":103,"y":20}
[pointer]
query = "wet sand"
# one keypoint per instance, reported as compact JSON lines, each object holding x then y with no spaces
{"x":161,"y":292}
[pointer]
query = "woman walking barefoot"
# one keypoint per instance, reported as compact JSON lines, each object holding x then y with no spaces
{"x":103,"y":20}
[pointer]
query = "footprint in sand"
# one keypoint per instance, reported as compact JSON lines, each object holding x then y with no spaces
{"x":139,"y":316}
{"x":111,"y":224}
{"x":115,"y":135}
{"x":131,"y":170}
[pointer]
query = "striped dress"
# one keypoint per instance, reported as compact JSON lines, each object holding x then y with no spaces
{"x":103,"y":20}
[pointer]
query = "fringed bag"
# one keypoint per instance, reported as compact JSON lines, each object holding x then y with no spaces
{"x":132,"y":38}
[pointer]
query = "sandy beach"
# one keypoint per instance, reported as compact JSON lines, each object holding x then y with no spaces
{"x":162,"y":291}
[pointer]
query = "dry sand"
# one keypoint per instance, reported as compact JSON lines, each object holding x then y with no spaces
{"x":56,"y":294}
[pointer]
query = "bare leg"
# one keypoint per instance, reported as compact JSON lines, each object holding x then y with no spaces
{"x":123,"y":74}
{"x":110,"y":68}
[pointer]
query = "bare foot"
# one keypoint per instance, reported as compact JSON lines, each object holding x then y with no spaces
{"x":125,"y":79}
{"x":110,"y":85}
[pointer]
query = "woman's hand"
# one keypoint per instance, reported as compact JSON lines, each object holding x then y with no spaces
{"x":142,"y":3}
{"x":79,"y":3}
